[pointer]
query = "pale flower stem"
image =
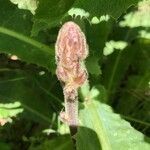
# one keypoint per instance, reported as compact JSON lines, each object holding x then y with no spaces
{"x":70,"y":51}
{"x":71,"y":108}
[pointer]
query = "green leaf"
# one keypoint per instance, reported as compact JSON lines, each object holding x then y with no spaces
{"x":49,"y":14}
{"x":59,"y":143}
{"x":15,"y":27}
{"x":27,"y":87}
{"x":98,"y":8}
{"x":106,"y":130}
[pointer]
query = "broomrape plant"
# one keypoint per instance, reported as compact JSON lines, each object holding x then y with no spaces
{"x":57,"y":93}
{"x":71,"y":50}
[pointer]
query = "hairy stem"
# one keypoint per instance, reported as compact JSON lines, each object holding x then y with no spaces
{"x":71,"y":107}
{"x":71,"y":111}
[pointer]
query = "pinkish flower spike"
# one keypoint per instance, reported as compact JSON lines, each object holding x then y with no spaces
{"x":70,"y":51}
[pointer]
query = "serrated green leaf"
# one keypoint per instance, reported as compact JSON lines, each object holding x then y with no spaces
{"x":49,"y":14}
{"x":97,"y":8}
{"x":106,"y":130}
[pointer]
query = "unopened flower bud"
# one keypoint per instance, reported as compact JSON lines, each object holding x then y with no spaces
{"x":71,"y":49}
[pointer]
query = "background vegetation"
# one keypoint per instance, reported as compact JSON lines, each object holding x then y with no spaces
{"x":118,"y":35}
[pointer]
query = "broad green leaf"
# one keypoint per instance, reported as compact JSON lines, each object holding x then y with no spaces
{"x":97,"y":8}
{"x":26,"y":4}
{"x":15,"y":27}
{"x":106,"y":130}
{"x":49,"y":14}
{"x":59,"y":143}
{"x":27,"y":87}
